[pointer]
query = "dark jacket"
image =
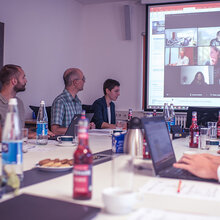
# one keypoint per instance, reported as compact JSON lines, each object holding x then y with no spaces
{"x":100,"y":112}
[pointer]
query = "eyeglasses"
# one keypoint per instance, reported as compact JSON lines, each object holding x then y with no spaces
{"x":83,"y":79}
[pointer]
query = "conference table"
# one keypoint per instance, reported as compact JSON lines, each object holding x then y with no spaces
{"x":61,"y":187}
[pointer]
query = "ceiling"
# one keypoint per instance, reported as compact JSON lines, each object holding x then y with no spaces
{"x":102,"y":1}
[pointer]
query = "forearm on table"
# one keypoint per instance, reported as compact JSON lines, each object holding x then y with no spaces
{"x":107,"y":125}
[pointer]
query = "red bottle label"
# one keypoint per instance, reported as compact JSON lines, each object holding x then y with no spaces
{"x":82,"y":178}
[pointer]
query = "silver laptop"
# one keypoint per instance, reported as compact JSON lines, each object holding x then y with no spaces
{"x":161,"y":150}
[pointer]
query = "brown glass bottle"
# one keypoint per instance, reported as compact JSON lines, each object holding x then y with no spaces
{"x":82,"y":171}
{"x":129,"y":117}
{"x":194,"y":132}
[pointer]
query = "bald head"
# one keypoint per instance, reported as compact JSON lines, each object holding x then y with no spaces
{"x":70,"y":75}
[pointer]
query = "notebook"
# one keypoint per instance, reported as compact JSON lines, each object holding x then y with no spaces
{"x":27,"y":206}
{"x":161,"y":150}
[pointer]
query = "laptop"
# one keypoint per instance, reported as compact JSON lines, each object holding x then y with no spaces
{"x":161,"y":150}
{"x":71,"y":129}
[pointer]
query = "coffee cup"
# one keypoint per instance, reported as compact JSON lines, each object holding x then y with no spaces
{"x":118,"y":200}
{"x":65,"y":139}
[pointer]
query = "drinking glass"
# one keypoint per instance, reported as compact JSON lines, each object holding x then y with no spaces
{"x":120,"y":125}
{"x":122,"y":171}
{"x":75,"y":141}
{"x":24,"y":136}
{"x":204,"y":138}
{"x":213,"y":129}
{"x":24,"y":133}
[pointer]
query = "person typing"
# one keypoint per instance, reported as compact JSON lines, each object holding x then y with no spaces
{"x":202,"y":165}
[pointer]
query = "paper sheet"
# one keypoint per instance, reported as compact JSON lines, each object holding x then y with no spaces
{"x":187,"y":189}
{"x":156,"y":214}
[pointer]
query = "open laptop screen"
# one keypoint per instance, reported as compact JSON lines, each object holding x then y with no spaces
{"x":159,"y":143}
{"x":71,"y":129}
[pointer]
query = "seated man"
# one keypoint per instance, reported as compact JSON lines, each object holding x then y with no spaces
{"x":67,"y":104}
{"x":13,"y":80}
{"x":202,"y":165}
{"x":104,"y":108}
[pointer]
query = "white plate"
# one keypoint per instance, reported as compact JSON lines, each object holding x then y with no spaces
{"x":63,"y":144}
{"x":53,"y":169}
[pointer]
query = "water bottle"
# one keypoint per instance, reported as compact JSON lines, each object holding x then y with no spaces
{"x":172,"y":115}
{"x":42,"y":125}
{"x":12,"y":162}
{"x":166,"y":114}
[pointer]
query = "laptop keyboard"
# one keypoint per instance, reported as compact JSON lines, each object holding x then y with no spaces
{"x":176,"y":173}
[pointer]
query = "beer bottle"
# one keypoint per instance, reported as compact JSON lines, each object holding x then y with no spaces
{"x":194,"y":132}
{"x":82,"y":171}
{"x":129,"y":117}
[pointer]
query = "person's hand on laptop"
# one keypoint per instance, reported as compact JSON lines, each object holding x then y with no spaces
{"x":200,"y":165}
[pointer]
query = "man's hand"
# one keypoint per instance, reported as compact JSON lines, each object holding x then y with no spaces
{"x":91,"y":125}
{"x":200,"y":165}
{"x":50,"y":134}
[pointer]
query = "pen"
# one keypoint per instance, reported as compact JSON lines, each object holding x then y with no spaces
{"x":179,"y":186}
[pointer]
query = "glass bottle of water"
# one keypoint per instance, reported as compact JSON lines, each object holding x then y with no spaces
{"x":12,"y":158}
{"x":172,"y":115}
{"x":42,"y":125}
{"x":166,"y":114}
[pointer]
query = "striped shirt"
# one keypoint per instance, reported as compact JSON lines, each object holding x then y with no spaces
{"x":64,"y":108}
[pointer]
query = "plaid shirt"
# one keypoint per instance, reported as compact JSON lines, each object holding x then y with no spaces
{"x":64,"y":108}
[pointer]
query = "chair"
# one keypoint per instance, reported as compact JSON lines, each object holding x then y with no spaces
{"x":204,"y":115}
{"x":89,"y":111}
{"x":88,"y":108}
{"x":48,"y":109}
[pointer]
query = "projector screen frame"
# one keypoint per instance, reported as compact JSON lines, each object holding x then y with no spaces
{"x":146,"y":77}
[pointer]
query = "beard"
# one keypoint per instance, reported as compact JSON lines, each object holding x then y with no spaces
{"x":19,"y":88}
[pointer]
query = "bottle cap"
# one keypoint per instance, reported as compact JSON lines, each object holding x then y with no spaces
{"x":42,"y":102}
{"x":13,"y":101}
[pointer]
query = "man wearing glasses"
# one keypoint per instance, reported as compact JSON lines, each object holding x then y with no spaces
{"x":67,"y":104}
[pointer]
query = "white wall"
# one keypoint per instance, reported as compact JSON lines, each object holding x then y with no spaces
{"x":47,"y":36}
{"x":106,"y":53}
{"x":43,"y":37}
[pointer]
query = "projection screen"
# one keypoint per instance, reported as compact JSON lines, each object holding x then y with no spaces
{"x":183,"y":55}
